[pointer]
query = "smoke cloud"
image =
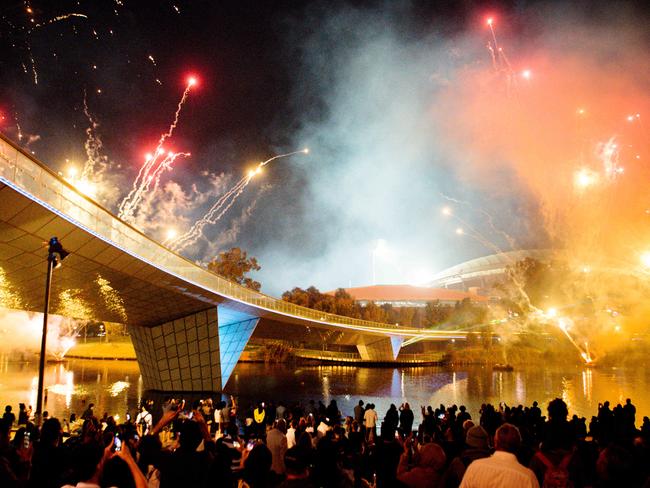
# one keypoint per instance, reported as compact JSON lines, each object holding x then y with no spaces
{"x":396,"y":114}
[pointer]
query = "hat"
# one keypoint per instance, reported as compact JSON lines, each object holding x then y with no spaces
{"x":477,"y":437}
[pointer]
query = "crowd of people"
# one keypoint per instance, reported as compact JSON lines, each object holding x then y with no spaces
{"x":219,"y":443}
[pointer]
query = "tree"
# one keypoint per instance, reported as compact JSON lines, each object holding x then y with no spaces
{"x":234,"y":265}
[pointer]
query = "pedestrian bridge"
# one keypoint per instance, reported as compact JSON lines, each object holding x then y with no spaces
{"x":188,"y":325}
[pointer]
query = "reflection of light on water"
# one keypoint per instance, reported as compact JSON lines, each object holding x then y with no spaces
{"x":118,"y":387}
{"x":326,"y":390}
{"x":33,"y":391}
{"x":67,"y":389}
{"x":395,"y":384}
{"x":402,"y":385}
{"x":499,"y":384}
{"x":567,"y":389}
{"x":520,"y":388}
{"x":64,"y":385}
{"x":454,"y":387}
{"x":587,"y":384}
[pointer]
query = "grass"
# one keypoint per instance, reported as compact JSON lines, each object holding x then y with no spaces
{"x":118,"y":348}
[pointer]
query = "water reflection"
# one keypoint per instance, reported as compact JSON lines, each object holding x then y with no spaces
{"x":116,"y":386}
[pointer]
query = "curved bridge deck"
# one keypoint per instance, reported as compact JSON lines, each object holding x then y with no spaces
{"x":189,"y":326}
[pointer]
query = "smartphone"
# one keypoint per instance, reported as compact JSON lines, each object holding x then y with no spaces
{"x":236,"y":445}
{"x":250,"y":445}
{"x":26,"y":440}
{"x":397,"y":434}
{"x":441,"y":416}
{"x":191,"y":415}
{"x":117,"y":442}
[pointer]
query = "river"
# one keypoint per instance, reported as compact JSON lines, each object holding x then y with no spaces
{"x":115,"y":386}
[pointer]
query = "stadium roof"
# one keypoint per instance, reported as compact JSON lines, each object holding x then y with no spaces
{"x":491,"y":265}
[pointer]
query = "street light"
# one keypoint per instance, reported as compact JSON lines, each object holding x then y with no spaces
{"x":55,"y":248}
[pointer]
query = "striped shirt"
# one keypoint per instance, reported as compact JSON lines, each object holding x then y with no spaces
{"x":501,"y":470}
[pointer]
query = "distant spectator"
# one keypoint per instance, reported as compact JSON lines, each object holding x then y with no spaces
{"x":276,"y":441}
{"x":370,"y":421}
{"x":23,"y":416}
{"x":89,"y":412}
{"x":9,"y":416}
{"x":358,"y":412}
{"x":406,"y":418}
{"x":144,"y":420}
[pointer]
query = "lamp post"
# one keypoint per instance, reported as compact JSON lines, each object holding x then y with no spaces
{"x":54,"y":248}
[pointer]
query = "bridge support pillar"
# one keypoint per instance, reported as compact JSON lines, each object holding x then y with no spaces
{"x":380,"y":349}
{"x":180,"y":355}
{"x":192,"y":353}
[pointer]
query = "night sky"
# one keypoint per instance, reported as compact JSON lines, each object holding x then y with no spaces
{"x":345,"y":79}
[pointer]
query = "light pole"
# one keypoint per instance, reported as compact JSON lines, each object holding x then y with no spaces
{"x":54,"y":248}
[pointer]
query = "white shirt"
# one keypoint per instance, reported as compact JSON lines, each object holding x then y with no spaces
{"x":501,"y":470}
{"x":370,"y":418}
{"x":145,"y":417}
{"x":291,"y":437}
{"x":321,"y":429}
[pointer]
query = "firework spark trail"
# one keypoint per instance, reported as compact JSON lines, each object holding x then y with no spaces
{"x":165,"y":165}
{"x":493,"y":56}
{"x":608,"y":153}
{"x":59,"y":19}
{"x":93,"y":146}
{"x":29,"y":31}
{"x":128,"y":204}
{"x":128,"y":215}
{"x":223,"y":204}
{"x":476,"y":235}
{"x":18,"y":128}
{"x":193,"y":234}
{"x":494,"y":37}
{"x":509,"y":239}
{"x":32,"y":62}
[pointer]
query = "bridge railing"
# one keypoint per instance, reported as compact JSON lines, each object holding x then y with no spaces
{"x":24,"y":173}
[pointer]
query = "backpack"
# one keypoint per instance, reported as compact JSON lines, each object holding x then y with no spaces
{"x":556,"y":476}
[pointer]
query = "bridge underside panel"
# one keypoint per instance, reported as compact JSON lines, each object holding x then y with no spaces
{"x":180,"y":355}
{"x":379,"y":349}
